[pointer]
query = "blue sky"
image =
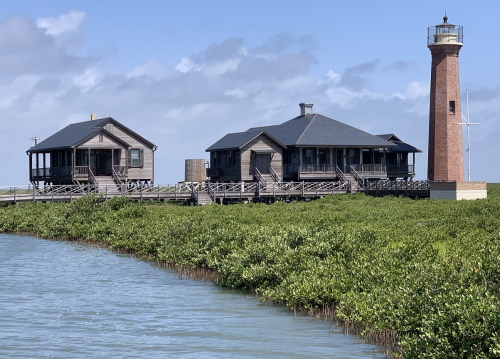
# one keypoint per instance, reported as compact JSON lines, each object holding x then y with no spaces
{"x":183,"y":74}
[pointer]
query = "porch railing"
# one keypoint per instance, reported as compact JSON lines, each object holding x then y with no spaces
{"x":375,"y":169}
{"x":322,"y":168}
{"x":400,"y":170}
{"x":81,"y":171}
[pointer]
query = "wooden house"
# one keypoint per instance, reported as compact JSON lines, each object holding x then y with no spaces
{"x":99,"y":151}
{"x":309,"y":147}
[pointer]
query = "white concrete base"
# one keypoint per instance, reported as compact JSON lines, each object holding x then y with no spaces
{"x":456,"y":195}
{"x":458,"y":190}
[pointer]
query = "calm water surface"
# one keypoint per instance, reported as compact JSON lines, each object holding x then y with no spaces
{"x":65,"y":300}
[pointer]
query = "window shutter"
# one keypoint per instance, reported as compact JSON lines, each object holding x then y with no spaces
{"x":129,"y":158}
{"x":141,"y":158}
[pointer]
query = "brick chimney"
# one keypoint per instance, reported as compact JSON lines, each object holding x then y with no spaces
{"x":306,"y":108}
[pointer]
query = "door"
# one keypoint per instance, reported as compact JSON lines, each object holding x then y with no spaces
{"x":93,"y":161}
{"x":340,"y":160}
{"x":263,"y":163}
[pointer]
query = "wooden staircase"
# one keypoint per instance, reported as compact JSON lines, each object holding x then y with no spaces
{"x":355,"y":186}
{"x":106,"y":182}
{"x":203,"y":198}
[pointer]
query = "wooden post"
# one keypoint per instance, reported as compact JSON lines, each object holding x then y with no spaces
{"x":414,"y":163}
{"x":331,"y":158}
{"x":37,"y":160}
{"x":31,"y":166}
{"x":73,"y":162}
{"x":44,"y":166}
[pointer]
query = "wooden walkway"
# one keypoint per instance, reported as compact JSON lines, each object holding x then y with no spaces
{"x":202,"y":193}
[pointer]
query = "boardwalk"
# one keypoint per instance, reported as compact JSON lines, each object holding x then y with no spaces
{"x":210,"y":192}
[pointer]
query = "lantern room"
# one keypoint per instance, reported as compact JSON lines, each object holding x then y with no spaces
{"x":445,"y":34}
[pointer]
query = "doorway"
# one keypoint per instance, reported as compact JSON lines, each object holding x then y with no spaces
{"x":263,"y":162}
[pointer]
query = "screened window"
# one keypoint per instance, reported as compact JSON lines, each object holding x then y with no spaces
{"x":136,"y":158}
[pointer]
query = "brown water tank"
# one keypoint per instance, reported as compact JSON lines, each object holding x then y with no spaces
{"x":195,"y":171}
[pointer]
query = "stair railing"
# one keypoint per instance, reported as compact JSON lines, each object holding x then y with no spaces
{"x":116,"y":178}
{"x":275,"y":176}
{"x":211,"y":193}
{"x":258,"y":176}
{"x":93,"y":180}
{"x":360,"y":180}
{"x":194,"y":194}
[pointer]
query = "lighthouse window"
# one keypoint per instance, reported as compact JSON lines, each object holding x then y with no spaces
{"x":452,"y":106}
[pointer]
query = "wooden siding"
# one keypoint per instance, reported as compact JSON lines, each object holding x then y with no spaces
{"x":144,"y":172}
{"x":229,"y":169}
{"x":95,"y":143}
{"x":260,"y":143}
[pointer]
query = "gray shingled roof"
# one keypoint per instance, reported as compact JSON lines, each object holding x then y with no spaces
{"x":73,"y":134}
{"x":318,"y":130}
{"x":402,"y":147}
{"x":238,"y":140}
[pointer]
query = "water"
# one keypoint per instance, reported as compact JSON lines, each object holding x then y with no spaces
{"x":65,"y":300}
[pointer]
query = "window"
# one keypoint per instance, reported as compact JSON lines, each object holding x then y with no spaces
{"x":452,"y":107}
{"x":215,"y":159}
{"x":230,"y":157}
{"x":307,"y":156}
{"x":101,"y":137}
{"x":136,"y":158}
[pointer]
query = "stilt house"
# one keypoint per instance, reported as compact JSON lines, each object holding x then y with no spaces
{"x":100,"y":151}
{"x":309,"y":147}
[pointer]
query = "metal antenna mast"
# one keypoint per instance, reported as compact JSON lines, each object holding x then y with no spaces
{"x":468,"y":123}
{"x":34,"y":139}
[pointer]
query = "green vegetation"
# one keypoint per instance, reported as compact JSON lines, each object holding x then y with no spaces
{"x":422,"y":273}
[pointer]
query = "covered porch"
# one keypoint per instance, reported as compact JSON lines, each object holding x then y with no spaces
{"x":323,"y":163}
{"x":74,"y":165}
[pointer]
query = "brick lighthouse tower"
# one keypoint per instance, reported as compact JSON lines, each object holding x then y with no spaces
{"x":445,"y":132}
{"x":446,"y":165}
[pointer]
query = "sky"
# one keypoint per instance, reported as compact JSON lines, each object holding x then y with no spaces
{"x":185,"y":73}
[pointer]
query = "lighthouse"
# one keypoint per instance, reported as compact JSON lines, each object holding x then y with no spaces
{"x":445,"y":161}
{"x":446,"y":166}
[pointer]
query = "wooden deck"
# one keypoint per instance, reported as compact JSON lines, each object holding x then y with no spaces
{"x":217,"y":192}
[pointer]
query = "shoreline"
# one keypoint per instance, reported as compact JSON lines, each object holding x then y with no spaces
{"x":377,"y":266}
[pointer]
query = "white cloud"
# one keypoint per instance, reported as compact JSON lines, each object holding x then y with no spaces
{"x":236,"y":93}
{"x":153,"y":68}
{"x":87,"y":80}
{"x":333,"y":77}
{"x":70,"y":22}
{"x":185,"y":65}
